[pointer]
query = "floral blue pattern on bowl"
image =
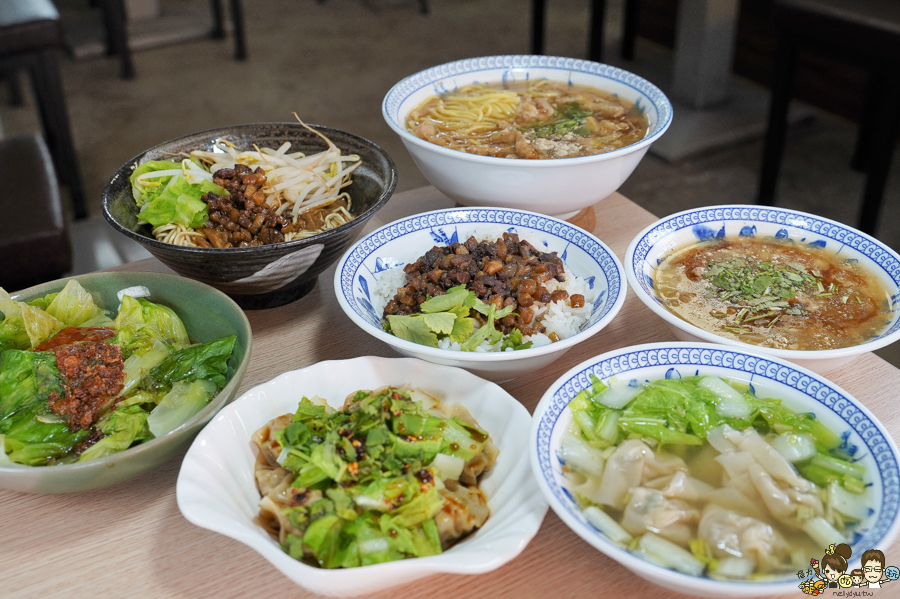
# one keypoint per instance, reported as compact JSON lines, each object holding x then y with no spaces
{"x":803,"y":391}
{"x":442,"y":79}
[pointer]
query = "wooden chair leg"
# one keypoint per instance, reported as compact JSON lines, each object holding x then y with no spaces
{"x":595,"y":37}
{"x":629,"y":28}
{"x":55,"y":120}
{"x":880,"y":152}
{"x":773,"y":147}
{"x":218,"y":30}
{"x":240,"y":39}
{"x":538,"y":13}
{"x":423,"y":7}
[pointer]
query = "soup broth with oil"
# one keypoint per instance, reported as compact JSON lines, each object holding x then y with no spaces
{"x":774,"y":294}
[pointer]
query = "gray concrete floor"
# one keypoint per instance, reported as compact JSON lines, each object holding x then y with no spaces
{"x":332,"y":63}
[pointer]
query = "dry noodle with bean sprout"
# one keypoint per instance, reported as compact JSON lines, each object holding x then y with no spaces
{"x":233,"y":198}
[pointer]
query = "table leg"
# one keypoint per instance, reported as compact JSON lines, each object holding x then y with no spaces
{"x":629,"y":28}
{"x":880,"y":152}
{"x":773,"y":147}
{"x":595,"y":35}
{"x":704,"y":47}
{"x":240,"y":36}
{"x":538,"y":12}
{"x":218,"y":29}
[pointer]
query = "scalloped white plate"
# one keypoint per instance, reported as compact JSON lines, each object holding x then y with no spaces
{"x":216,"y":488}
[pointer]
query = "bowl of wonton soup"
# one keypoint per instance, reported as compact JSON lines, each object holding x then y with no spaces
{"x":555,"y":186}
{"x":801,"y":391}
{"x":647,"y":256}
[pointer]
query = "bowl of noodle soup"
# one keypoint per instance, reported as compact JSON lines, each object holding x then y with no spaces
{"x":474,"y":92}
{"x":278,"y":271}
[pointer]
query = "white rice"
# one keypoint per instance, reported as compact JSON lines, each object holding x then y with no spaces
{"x":557,"y":317}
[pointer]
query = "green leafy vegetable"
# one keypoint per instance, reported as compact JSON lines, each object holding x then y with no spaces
{"x":455,"y":297}
{"x":568,"y":118}
{"x":413,"y":328}
{"x":27,"y":379}
{"x":514,"y":341}
{"x":440,"y":322}
{"x":123,"y":428}
{"x":74,"y":306}
{"x":32,"y":442}
{"x":141,"y":321}
{"x":371,"y":465}
{"x":163,"y":372}
{"x":203,"y":361}
{"x":144,"y":189}
{"x":183,"y":401}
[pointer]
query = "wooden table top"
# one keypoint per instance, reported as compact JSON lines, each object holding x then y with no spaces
{"x":130,"y":540}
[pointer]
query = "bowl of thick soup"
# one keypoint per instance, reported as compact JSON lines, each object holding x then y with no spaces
{"x":716,"y":471}
{"x":543,"y":133}
{"x":790,"y":284}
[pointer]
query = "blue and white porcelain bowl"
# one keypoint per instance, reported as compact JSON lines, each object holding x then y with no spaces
{"x":380,"y":253}
{"x":672,"y":233}
{"x":799,"y":389}
{"x":559,"y":187}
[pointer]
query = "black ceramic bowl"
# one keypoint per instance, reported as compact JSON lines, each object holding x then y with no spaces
{"x":270,"y":275}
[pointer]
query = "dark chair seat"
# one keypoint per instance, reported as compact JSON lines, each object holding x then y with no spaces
{"x":28,"y":26}
{"x":30,"y":37}
{"x":866,"y":32}
{"x":34,"y":242}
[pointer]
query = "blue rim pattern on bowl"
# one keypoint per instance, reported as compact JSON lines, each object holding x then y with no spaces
{"x":755,"y":366}
{"x":433,"y":76}
{"x":824,"y":228}
{"x":435,"y":221}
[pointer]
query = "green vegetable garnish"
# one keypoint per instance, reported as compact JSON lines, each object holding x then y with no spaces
{"x":367,"y":481}
{"x":568,"y":119}
{"x":761,"y":290}
{"x":448,"y":316}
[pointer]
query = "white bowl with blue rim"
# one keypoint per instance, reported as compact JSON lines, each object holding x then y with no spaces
{"x":404,"y":241}
{"x":668,"y":235}
{"x":801,"y":390}
{"x":560,"y":186}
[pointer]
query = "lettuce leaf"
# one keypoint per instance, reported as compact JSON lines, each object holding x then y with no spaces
{"x":203,"y":361}
{"x":412,"y":328}
{"x":148,"y":189}
{"x":179,"y":404}
{"x":140,"y":321}
{"x":34,"y":443}
{"x":13,"y":334}
{"x":43,"y":302}
{"x":27,"y":379}
{"x":139,"y":364}
{"x":123,"y":427}
{"x":455,"y":297}
{"x":74,"y":306}
{"x":180,"y":203}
